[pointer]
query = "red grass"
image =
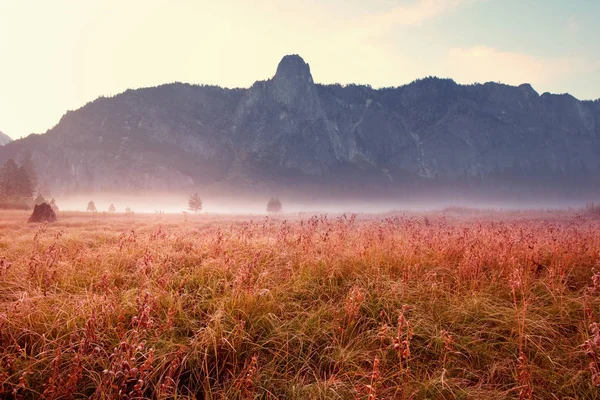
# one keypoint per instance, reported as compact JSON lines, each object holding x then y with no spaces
{"x":485,"y":305}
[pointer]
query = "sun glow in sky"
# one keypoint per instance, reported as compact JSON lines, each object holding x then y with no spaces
{"x":57,"y":55}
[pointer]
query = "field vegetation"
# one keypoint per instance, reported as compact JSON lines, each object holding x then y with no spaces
{"x":454,"y":304}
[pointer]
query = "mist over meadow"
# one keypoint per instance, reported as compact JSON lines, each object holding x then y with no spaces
{"x":342,"y":199}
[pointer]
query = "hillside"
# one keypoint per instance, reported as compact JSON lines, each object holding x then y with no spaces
{"x":288,"y":132}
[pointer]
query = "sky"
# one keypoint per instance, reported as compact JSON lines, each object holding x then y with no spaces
{"x":58,"y":55}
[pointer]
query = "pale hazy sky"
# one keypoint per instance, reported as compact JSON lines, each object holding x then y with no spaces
{"x":56,"y":55}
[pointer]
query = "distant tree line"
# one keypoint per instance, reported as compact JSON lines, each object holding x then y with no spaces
{"x":16,"y":186}
{"x":18,"y":183}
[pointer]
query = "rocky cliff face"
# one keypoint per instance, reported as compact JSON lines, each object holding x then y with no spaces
{"x":4,"y":139}
{"x":288,"y":130}
{"x":282,"y":122}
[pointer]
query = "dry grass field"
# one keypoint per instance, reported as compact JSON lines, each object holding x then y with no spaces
{"x":456,"y":304}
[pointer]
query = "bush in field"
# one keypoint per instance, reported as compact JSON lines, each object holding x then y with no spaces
{"x":91,"y":207}
{"x":195,"y":203}
{"x":42,"y":213}
{"x":112,"y":209}
{"x":274,"y":205}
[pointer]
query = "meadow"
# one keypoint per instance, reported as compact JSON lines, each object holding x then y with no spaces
{"x":456,"y":304}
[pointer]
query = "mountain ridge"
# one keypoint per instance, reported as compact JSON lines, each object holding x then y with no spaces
{"x":288,"y":130}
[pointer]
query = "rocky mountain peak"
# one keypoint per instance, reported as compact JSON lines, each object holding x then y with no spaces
{"x":293,"y":84}
{"x":293,"y":68}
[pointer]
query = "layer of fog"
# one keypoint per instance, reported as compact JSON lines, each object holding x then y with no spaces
{"x":176,"y":204}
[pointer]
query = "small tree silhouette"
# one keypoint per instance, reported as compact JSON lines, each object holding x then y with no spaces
{"x":112,"y":209}
{"x":91,"y":207}
{"x":195,"y":203}
{"x":274,"y":205}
